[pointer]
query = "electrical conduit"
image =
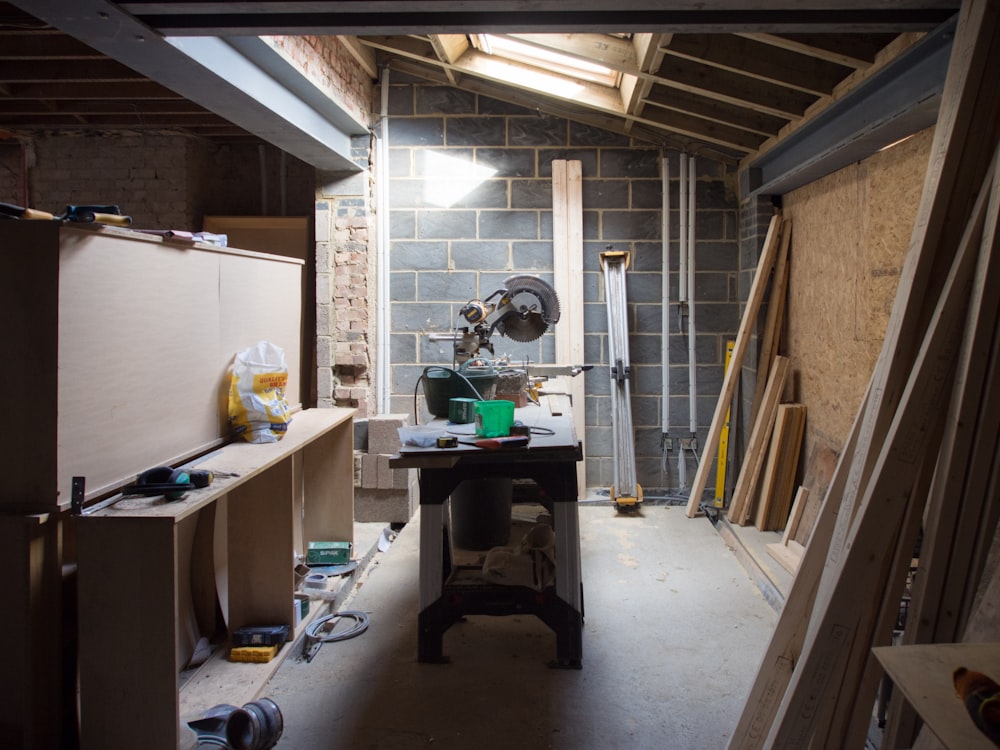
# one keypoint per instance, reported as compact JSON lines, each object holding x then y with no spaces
{"x":665,"y":321}
{"x":382,"y":392}
{"x":692,"y":361}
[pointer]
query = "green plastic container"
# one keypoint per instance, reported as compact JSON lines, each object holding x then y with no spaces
{"x":494,"y":418}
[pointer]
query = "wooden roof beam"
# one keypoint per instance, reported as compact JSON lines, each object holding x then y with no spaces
{"x":764,"y":62}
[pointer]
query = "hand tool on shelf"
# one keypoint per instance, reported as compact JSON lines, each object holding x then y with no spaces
{"x":20,"y":212}
{"x":110,"y":215}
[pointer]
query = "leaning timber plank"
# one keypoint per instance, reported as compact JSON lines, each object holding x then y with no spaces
{"x":964,"y":140}
{"x":779,"y":476}
{"x":740,"y":510}
{"x":776,"y":667}
{"x":959,"y":500}
{"x":567,"y":239}
{"x":971,"y":463}
{"x":772,"y":467}
{"x":835,"y":619}
{"x":775,"y":316}
{"x":793,"y":448}
{"x":852,"y":716}
{"x":795,"y":517}
{"x":743,"y":338}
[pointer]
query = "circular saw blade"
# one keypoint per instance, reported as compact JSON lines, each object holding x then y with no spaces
{"x":532,"y":306}
{"x":517,"y":328}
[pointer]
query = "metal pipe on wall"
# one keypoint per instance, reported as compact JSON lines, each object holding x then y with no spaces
{"x":682,"y":283}
{"x":682,"y":280}
{"x":692,"y":361}
{"x":665,"y":320}
{"x":382,"y":380}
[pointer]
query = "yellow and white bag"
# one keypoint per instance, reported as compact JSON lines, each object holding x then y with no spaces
{"x":257,"y":407}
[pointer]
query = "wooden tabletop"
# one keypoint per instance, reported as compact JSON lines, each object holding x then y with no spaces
{"x":924,"y":674}
{"x":552,"y":437}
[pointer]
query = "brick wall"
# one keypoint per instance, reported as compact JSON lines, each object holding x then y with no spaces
{"x":345,"y":274}
{"x":163,"y":181}
{"x":326,"y":62}
{"x":497,"y":220}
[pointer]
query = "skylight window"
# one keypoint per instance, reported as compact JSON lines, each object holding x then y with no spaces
{"x":546,"y":59}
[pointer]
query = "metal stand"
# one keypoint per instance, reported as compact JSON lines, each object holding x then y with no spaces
{"x":625,"y":491}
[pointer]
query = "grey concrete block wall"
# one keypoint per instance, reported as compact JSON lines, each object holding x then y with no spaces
{"x":471,"y":203}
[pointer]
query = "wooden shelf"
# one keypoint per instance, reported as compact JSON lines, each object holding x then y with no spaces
{"x":153,"y":573}
{"x":924,"y":674}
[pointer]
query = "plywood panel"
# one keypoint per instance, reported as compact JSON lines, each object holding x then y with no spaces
{"x":260,"y":544}
{"x":128,"y":633}
{"x":135,"y":385}
{"x":146,"y":335}
{"x":852,"y":231}
{"x":328,"y":467}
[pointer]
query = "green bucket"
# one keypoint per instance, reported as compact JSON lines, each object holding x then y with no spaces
{"x":441,"y":384}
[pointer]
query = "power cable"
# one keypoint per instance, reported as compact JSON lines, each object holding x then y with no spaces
{"x":314,"y":639}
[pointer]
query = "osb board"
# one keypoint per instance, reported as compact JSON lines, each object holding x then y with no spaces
{"x":850,"y":234}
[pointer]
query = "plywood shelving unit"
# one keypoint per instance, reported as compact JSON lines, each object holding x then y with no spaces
{"x":124,"y":342}
{"x":143,"y":562}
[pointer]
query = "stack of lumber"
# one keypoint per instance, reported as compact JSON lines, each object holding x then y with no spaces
{"x":923,"y":448}
{"x":766,"y":482}
{"x":774,"y":497}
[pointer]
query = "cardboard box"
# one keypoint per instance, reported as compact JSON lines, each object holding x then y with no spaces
{"x":328,"y":553}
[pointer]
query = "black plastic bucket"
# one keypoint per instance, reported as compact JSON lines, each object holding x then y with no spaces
{"x":481,"y":513}
{"x":441,"y":384}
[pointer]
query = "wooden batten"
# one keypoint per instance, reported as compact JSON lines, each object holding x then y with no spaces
{"x":777,"y":302}
{"x":567,"y":239}
{"x":743,"y":339}
{"x":778,"y":481}
{"x":741,"y":508}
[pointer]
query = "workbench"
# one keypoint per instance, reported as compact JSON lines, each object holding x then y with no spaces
{"x":154,"y":573}
{"x":549,"y":460}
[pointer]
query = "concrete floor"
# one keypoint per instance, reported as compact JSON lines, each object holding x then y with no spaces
{"x":674,"y":632}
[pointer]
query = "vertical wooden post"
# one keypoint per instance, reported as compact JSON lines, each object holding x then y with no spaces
{"x":567,"y":262}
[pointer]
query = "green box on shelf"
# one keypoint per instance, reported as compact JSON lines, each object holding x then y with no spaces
{"x":328,"y":553}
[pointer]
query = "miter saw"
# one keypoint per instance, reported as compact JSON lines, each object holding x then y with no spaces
{"x":521,"y":311}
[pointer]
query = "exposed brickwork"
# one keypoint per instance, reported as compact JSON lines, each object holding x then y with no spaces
{"x":13,"y":188}
{"x":345,"y":266}
{"x":163,"y":181}
{"x":326,"y":62}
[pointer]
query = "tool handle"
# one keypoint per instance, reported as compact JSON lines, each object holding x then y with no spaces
{"x":512,"y":441}
{"x":115,"y":220}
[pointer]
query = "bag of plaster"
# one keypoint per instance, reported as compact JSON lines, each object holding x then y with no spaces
{"x":257,"y":408}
